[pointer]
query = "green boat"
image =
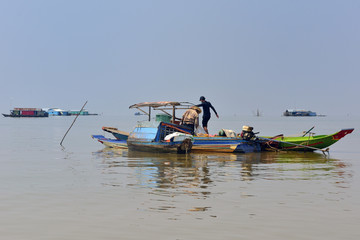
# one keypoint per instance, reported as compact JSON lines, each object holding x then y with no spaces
{"x":303,"y":143}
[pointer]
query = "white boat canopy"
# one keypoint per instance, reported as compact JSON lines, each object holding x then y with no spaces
{"x":162,"y":106}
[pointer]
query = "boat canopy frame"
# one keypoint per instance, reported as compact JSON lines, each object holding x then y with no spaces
{"x":163,"y":107}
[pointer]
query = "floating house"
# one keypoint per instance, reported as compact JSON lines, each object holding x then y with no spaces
{"x":83,"y":112}
{"x":56,"y":112}
{"x":299,"y":113}
{"x":27,"y":112}
{"x":76,"y":112}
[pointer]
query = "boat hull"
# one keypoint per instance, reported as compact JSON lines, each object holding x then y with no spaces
{"x":225,"y":145}
{"x":161,"y":147}
{"x":200,"y":144}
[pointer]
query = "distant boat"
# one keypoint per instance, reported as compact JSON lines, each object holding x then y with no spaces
{"x":26,"y":112}
{"x":299,"y":113}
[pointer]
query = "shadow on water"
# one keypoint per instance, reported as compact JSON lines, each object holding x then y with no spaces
{"x":198,"y":175}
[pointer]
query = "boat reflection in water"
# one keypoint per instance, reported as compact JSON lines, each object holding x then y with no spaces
{"x":251,"y":165}
{"x":173,"y":177}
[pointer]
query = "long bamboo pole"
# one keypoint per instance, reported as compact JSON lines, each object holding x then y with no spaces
{"x":72,"y":123}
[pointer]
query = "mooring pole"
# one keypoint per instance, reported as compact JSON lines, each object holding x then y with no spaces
{"x":72,"y":123}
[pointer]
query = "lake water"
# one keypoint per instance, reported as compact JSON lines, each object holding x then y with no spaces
{"x":85,"y":191}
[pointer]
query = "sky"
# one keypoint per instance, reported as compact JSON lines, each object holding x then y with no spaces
{"x":242,"y":55}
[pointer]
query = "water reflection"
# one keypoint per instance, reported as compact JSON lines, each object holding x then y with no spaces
{"x":172,"y":176}
{"x":304,"y":166}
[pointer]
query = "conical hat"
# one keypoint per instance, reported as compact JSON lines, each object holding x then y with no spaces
{"x":196,"y":109}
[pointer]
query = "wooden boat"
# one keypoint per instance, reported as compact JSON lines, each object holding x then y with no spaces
{"x":155,"y":131}
{"x":303,"y":143}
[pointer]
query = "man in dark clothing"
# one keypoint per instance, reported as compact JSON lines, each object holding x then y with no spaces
{"x":206,"y":112}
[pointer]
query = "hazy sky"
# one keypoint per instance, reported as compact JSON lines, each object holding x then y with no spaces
{"x":242,"y":55}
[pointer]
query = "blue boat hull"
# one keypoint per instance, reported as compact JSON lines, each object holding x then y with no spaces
{"x":141,"y":140}
{"x":161,"y":147}
{"x":225,"y":144}
{"x":112,"y":143}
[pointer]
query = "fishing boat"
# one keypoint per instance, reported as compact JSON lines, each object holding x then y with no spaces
{"x":167,"y":123}
{"x":26,"y":112}
{"x":311,"y":142}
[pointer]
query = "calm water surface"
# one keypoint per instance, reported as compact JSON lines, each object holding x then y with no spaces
{"x":86,"y":191}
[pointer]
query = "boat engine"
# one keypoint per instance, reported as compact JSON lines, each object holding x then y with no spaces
{"x":247,"y":133}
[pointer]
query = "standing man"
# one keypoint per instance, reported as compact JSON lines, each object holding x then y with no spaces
{"x":206,"y":115}
{"x":190,"y":118}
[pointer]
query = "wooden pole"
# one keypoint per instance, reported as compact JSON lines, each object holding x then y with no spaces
{"x":72,"y":123}
{"x":308,"y":131}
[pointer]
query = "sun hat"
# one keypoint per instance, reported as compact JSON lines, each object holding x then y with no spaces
{"x":197,"y":109}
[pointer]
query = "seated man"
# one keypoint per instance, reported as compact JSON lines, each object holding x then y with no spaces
{"x":190,"y":118}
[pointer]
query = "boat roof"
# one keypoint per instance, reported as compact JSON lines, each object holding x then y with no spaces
{"x":160,"y":104}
